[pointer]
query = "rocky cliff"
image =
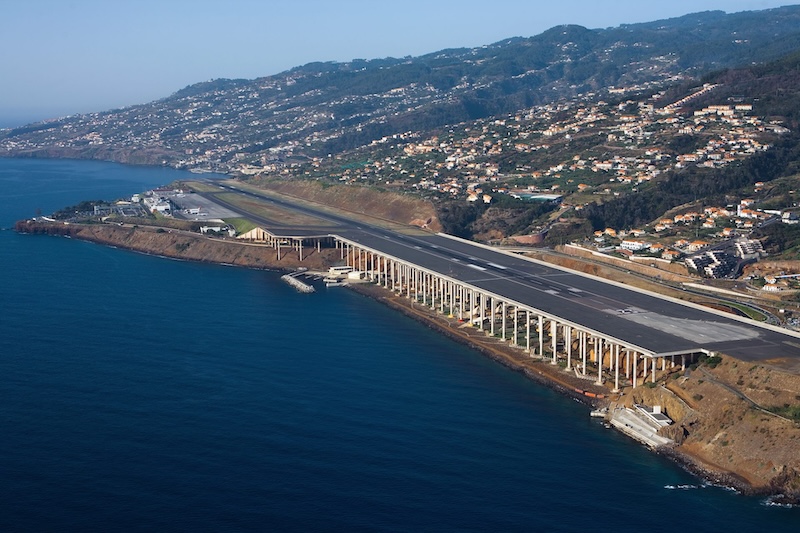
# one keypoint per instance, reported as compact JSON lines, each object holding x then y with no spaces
{"x":725,"y":425}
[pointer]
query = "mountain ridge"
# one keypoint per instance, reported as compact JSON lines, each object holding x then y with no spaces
{"x":327,"y":107}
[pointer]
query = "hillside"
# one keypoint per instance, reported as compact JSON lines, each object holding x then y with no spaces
{"x":774,"y":91}
{"x":322,"y":108}
{"x":621,"y":162}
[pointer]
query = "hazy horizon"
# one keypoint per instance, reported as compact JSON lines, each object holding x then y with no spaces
{"x":90,"y":55}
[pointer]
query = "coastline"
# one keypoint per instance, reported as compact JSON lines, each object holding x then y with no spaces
{"x":543,"y":373}
{"x":178,"y":244}
{"x":192,"y":247}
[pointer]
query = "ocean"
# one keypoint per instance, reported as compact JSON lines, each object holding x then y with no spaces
{"x":142,"y":393}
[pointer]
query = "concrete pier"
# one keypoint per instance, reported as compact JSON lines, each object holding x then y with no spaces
{"x":301,"y":286}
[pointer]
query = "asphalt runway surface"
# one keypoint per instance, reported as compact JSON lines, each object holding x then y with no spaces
{"x":657,"y":325}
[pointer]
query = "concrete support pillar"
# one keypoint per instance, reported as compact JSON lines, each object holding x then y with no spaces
{"x":583,"y":351}
{"x":482,"y":303}
{"x":541,"y":336}
{"x":635,"y":377}
{"x":554,"y":341}
{"x":616,"y":368}
{"x":599,"y":350}
{"x":451,"y":298}
{"x":504,"y":311}
{"x":627,"y":364}
{"x":568,"y":341}
{"x":643,"y":372}
{"x":653,"y":373}
{"x":472,"y":305}
{"x":399,"y":270}
{"x":516,"y":325}
{"x":528,"y":330}
{"x":491,"y":315}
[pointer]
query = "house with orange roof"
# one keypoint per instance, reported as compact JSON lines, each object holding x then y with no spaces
{"x":697,"y":245}
{"x":670,"y":255}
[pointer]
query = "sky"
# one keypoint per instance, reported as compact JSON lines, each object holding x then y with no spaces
{"x":62,"y":57}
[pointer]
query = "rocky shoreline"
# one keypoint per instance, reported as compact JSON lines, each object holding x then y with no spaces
{"x":546,"y":374}
{"x":782,"y":483}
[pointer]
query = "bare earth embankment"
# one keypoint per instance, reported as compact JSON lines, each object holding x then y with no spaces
{"x":374,"y":204}
{"x":184,"y":245}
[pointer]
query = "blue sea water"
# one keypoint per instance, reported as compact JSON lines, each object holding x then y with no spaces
{"x":140,"y":393}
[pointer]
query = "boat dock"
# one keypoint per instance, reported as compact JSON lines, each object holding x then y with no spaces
{"x":639,"y":426}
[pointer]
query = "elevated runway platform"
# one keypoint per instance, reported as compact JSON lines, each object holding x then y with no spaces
{"x":659,"y":325}
{"x":598,"y":318}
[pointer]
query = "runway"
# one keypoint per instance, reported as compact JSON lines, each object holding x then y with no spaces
{"x":658,"y":324}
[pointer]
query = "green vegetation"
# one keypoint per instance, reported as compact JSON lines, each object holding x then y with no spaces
{"x":751,"y":313}
{"x":786,"y":410}
{"x":710,"y":361}
{"x":198,"y":186}
{"x":782,"y":240}
{"x":242,"y":225}
{"x":85,"y":208}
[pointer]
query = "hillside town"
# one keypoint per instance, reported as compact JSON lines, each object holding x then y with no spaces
{"x":572,"y":149}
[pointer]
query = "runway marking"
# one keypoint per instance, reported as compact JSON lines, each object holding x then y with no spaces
{"x":476,"y":267}
{"x":495,"y":265}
